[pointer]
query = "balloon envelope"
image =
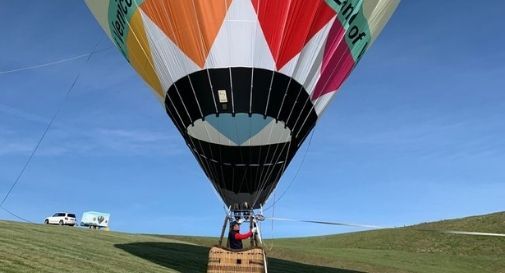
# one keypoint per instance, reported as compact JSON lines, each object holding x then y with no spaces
{"x":244,"y":81}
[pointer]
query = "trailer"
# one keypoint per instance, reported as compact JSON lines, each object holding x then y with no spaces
{"x":95,"y":220}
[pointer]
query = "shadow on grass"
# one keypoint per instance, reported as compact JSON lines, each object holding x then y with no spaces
{"x":192,"y":258}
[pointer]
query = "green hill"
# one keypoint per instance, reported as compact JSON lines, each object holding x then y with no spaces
{"x":40,"y":248}
{"x":411,"y":249}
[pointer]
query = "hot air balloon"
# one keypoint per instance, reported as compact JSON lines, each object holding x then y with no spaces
{"x":244,"y":81}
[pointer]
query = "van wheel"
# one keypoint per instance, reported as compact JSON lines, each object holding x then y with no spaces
{"x":46,"y":222}
{"x":61,"y":223}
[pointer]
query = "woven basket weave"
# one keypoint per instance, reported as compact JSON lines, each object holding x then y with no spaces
{"x":222,"y":260}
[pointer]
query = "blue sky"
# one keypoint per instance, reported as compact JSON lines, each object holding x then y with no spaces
{"x":416,"y":134}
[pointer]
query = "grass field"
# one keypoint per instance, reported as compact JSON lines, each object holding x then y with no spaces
{"x":39,"y":248}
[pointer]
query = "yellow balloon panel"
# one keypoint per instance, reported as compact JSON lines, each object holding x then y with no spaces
{"x":140,"y":54}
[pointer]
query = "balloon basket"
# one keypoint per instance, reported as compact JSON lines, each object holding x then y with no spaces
{"x":223,"y":260}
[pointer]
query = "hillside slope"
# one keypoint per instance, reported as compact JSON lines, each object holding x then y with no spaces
{"x":410,"y":249}
{"x":40,"y":248}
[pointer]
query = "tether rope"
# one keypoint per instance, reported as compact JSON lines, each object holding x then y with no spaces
{"x":64,"y":60}
{"x":373,"y":227}
{"x":35,"y":149}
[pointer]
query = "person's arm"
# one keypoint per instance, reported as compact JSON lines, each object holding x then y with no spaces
{"x":239,"y":236}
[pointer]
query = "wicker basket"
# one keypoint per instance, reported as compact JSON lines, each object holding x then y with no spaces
{"x":222,"y":260}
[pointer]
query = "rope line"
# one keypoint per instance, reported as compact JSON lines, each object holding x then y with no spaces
{"x":454,"y":232}
{"x":17,"y":216}
{"x":53,"y":118}
{"x":32,"y":154}
{"x":295,"y":176}
{"x":64,"y":60}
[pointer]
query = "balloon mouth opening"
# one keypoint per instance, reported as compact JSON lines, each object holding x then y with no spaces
{"x":240,"y":129}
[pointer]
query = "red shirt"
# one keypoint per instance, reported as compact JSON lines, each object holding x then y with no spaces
{"x":239,"y":236}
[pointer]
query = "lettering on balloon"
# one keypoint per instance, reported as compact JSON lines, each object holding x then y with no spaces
{"x":351,"y":17}
{"x":119,"y":13}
